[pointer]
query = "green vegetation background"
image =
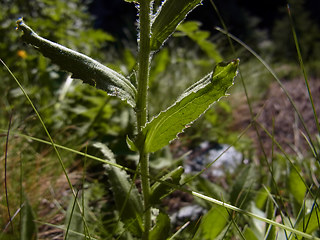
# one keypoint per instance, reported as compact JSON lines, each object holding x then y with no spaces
{"x":78,"y":115}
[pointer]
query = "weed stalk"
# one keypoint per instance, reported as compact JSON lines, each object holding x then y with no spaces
{"x":141,"y":107}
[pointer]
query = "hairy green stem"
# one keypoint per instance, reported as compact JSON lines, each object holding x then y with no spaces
{"x":141,"y":106}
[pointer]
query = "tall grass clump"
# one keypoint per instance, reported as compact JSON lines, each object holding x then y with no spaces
{"x":245,"y":210}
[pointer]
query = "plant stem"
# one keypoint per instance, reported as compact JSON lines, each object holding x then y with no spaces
{"x":141,"y":107}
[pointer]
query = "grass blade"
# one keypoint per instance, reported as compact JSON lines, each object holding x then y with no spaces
{"x":239,"y":210}
{"x":70,"y":216}
{"x":5,"y":172}
{"x":303,"y":68}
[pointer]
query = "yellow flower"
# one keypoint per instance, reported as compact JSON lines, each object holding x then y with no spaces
{"x":22,"y":54}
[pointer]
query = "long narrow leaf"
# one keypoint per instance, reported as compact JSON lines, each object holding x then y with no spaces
{"x":81,"y":66}
{"x":189,"y":107}
{"x":171,"y":13}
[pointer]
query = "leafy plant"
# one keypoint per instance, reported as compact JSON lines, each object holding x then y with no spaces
{"x":41,"y":78}
{"x":138,"y":214}
{"x":161,"y":129}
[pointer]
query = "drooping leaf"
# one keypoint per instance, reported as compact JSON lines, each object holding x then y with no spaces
{"x":160,"y":190}
{"x":191,"y":104}
{"x":169,"y":15}
{"x":81,"y":66}
{"x":162,"y":228}
{"x":126,"y":196}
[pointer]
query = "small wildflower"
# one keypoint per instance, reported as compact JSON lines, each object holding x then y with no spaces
{"x":22,"y":54}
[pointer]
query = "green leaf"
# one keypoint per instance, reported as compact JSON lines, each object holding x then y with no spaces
{"x":261,"y":198}
{"x":296,"y":185}
{"x":271,"y":230}
{"x":131,"y":145}
{"x":74,"y":220}
{"x":191,"y":29}
{"x":160,"y":63}
{"x":213,"y":223}
{"x":248,"y":233}
{"x":81,"y":66}
{"x":126,"y":195}
{"x":160,"y":190}
{"x":169,"y":15}
{"x":191,"y":104}
{"x":28,"y":226}
{"x":310,"y":222}
{"x":162,"y":228}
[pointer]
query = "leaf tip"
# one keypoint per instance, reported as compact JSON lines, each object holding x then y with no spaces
{"x":131,"y":144}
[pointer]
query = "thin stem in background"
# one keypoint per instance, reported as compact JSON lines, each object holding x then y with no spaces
{"x":229,"y":36}
{"x":278,"y":81}
{"x":288,"y":96}
{"x":21,"y":195}
{"x":303,"y":68}
{"x":223,"y":25}
{"x":5,"y":172}
{"x":242,"y":80}
{"x":83,"y":183}
{"x":71,"y":214}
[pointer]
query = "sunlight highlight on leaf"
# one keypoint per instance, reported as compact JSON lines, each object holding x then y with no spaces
{"x":81,"y":66}
{"x":189,"y":106}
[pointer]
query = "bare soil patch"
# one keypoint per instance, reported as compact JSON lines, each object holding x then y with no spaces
{"x":278,"y":116}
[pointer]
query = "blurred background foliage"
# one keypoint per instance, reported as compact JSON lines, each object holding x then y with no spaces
{"x":68,"y":23}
